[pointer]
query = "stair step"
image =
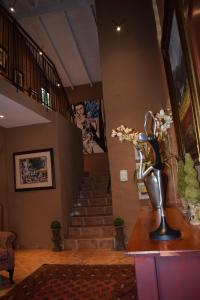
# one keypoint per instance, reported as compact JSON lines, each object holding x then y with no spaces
{"x":92,"y":210}
{"x":91,"y":220}
{"x":92,"y":194}
{"x":91,"y":231}
{"x":98,"y":201}
{"x":93,"y":243}
{"x":93,"y":190}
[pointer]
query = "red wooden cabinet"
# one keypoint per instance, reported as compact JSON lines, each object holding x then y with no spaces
{"x":166,"y":270}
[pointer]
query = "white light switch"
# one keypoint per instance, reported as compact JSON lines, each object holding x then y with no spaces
{"x":123,"y":175}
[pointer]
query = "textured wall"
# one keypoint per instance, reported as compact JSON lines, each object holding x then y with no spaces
{"x":31,"y":212}
{"x":133,"y":83}
{"x":3,"y":181}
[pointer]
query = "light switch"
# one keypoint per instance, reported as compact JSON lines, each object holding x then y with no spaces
{"x":123,"y":175}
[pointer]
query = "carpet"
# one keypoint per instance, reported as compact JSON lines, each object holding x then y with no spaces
{"x":77,"y":282}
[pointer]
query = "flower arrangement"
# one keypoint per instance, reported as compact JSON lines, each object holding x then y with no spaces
{"x":163,"y":121}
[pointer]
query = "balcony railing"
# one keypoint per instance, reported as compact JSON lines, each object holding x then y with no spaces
{"x":24,"y":64}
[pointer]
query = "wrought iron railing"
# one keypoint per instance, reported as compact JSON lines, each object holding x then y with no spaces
{"x":24,"y":64}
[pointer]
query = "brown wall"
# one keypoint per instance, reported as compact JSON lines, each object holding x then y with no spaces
{"x":3,"y":181}
{"x":31,"y":212}
{"x":132,"y":84}
{"x":84,"y":92}
{"x":71,"y":164}
{"x":96,"y":162}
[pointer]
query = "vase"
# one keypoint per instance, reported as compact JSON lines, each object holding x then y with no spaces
{"x":56,"y":239}
{"x":119,"y":238}
{"x":156,"y":188}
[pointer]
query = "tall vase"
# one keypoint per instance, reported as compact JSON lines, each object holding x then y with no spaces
{"x":155,"y":188}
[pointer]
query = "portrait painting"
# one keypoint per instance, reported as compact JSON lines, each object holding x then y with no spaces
{"x":88,"y":116}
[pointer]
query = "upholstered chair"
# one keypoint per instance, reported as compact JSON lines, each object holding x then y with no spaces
{"x":7,"y":259}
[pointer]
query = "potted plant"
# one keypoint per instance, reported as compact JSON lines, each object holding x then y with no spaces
{"x":119,"y":237}
{"x":56,"y":238}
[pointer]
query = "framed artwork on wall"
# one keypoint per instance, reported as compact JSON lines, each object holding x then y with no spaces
{"x":88,"y":116}
{"x":18,"y":78}
{"x":181,"y":80}
{"x":3,"y":58}
{"x":34,"y":170}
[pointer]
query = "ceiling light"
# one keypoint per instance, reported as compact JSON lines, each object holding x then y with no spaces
{"x":118,"y":25}
{"x":12,"y":6}
{"x":40,"y":53}
{"x":1,"y":116}
{"x":12,"y":9}
{"x":58,"y":84}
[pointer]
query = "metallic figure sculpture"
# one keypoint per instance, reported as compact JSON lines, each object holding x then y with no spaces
{"x":153,"y":179}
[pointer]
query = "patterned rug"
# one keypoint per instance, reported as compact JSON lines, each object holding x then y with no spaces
{"x":77,"y":282}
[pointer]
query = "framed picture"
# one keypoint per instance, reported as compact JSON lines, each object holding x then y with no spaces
{"x":181,"y":80}
{"x":88,"y":116}
{"x":34,"y":170}
{"x":193,"y":30}
{"x":3,"y":58}
{"x":18,"y":78}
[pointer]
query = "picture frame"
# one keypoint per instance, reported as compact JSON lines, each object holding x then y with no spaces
{"x":192,"y":27}
{"x":18,"y":78}
{"x":181,"y":80}
{"x":34,"y":170}
{"x":3,"y":58}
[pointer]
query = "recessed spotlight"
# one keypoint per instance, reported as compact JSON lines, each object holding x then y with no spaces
{"x":58,"y":84}
{"x":12,"y":9}
{"x":40,"y":53}
{"x":118,"y":25}
{"x":1,"y":116}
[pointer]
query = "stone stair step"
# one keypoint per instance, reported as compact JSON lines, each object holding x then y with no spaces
{"x":91,"y":220}
{"x":98,"y":201}
{"x":94,"y":243}
{"x":91,"y":231}
{"x":93,"y":193}
{"x":93,"y":210}
{"x":93,"y":188}
{"x":99,"y":193}
{"x":85,"y":194}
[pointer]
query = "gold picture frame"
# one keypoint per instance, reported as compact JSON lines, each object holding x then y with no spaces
{"x":181,"y":80}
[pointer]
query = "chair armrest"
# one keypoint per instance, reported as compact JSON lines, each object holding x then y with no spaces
{"x":6,"y":239}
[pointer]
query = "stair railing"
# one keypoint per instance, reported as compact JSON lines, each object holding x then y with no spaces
{"x":28,"y":68}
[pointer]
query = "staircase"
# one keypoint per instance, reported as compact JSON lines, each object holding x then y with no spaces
{"x":91,"y":225}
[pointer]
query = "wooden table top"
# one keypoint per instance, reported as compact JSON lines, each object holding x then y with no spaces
{"x":148,"y":221}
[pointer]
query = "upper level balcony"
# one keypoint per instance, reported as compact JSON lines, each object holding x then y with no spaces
{"x":27,"y":67}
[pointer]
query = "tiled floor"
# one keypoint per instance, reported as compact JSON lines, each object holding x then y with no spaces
{"x":28,"y":261}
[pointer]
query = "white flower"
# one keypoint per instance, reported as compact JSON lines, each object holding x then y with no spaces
{"x":119,"y":134}
{"x":163,"y":123}
{"x":114,"y":133}
{"x":162,"y":113}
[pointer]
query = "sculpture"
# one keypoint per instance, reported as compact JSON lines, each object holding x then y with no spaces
{"x":153,"y":180}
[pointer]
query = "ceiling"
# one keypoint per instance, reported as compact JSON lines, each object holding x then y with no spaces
{"x":66,"y":31}
{"x":16,"y":114}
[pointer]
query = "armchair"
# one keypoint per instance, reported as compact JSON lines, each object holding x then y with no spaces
{"x":7,"y":259}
